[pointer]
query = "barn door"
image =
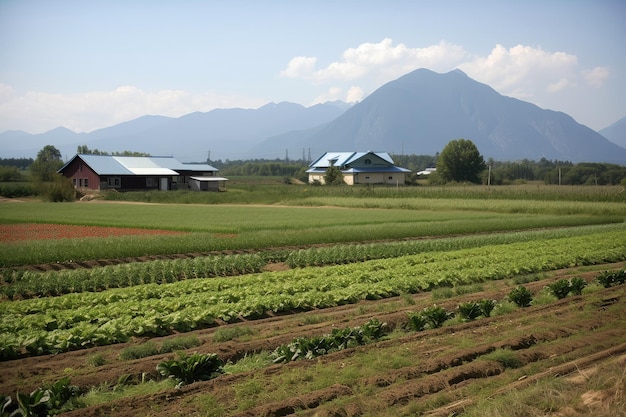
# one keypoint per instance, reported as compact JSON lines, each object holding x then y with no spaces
{"x":163,"y":185}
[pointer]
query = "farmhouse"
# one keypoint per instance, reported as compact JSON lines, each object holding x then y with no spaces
{"x":124,"y":173}
{"x":358,"y":168}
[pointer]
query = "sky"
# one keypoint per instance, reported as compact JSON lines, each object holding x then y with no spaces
{"x":87,"y":65}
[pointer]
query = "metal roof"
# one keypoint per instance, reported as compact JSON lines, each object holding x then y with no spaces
{"x":145,"y":165}
{"x":376,"y":169}
{"x":209,"y":179}
{"x":344,"y":158}
{"x":102,"y":164}
{"x":137,"y":165}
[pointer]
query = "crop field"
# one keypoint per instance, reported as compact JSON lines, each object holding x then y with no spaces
{"x":316,"y":302}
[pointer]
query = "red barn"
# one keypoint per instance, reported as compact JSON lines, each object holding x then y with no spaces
{"x":123,"y":173}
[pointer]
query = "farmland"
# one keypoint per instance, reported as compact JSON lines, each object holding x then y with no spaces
{"x":360,"y":302}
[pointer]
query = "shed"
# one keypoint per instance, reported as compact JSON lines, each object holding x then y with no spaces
{"x":207,"y":183}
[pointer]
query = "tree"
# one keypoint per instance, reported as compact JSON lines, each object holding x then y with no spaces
{"x":460,"y":161}
{"x":333,"y":176}
{"x":47,"y":163}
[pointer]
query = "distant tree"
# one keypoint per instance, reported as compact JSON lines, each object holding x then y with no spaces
{"x":460,"y":161}
{"x":46,"y":164}
{"x":333,"y":176}
{"x":84,"y":150}
{"x":127,"y":153}
{"x":10,"y":174}
{"x":21,"y":163}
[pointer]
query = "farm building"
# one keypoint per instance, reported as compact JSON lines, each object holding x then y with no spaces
{"x":124,"y":173}
{"x":358,"y":168}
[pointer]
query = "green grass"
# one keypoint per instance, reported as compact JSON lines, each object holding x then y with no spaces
{"x":229,"y":333}
{"x":247,"y":190}
{"x":219,"y":227}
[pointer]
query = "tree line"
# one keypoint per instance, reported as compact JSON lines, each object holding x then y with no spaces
{"x":459,"y":161}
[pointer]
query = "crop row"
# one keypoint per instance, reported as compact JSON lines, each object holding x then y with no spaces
{"x":369,"y":225}
{"x":74,"y":321}
{"x":79,"y":320}
{"x":343,"y":254}
{"x":29,"y":284}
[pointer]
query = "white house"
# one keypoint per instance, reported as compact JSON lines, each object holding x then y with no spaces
{"x":358,"y":168}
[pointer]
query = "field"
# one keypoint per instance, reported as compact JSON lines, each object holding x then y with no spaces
{"x":314,"y":301}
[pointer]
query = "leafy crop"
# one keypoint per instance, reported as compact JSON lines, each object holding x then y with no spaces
{"x":52,"y":399}
{"x":611,"y":278}
{"x":486,"y":307}
{"x":190,"y":368}
{"x":436,"y":315}
{"x":469,"y":311}
{"x":339,"y":339}
{"x":474,"y":309}
{"x":416,"y":321}
{"x":27,"y":284}
{"x":521,"y":296}
{"x":576,"y":285}
{"x":562,"y":288}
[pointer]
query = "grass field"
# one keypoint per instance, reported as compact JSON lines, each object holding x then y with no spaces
{"x":259,"y":269}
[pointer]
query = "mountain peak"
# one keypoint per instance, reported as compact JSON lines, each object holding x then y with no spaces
{"x":420,"y":112}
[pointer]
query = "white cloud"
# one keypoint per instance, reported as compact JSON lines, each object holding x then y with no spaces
{"x":333,"y":94}
{"x":524,"y":71}
{"x":355,"y":94}
{"x":384,"y":60}
{"x":597,"y":76}
{"x":37,"y":112}
{"x":559,"y":85}
{"x":299,"y":67}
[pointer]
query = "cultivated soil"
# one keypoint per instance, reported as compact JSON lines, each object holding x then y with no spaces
{"x":437,"y":372}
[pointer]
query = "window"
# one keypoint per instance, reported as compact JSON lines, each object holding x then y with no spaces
{"x":368,"y":162}
{"x":74,"y":182}
{"x":114,"y":182}
{"x":80,"y":182}
{"x":151,"y":182}
{"x":86,"y":182}
{"x":390,"y":178}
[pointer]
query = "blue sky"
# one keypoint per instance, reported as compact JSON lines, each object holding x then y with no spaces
{"x":87,"y":65}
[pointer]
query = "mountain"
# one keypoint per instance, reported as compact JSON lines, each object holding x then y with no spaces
{"x":419,"y":113}
{"x":225,"y":133}
{"x":422,"y":111}
{"x":616,"y":133}
{"x":20,"y":144}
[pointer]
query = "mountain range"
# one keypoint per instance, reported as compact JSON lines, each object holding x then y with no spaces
{"x":419,"y":113}
{"x":616,"y":133}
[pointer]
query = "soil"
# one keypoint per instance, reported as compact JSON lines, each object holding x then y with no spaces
{"x":39,"y":231}
{"x":560,"y":339}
